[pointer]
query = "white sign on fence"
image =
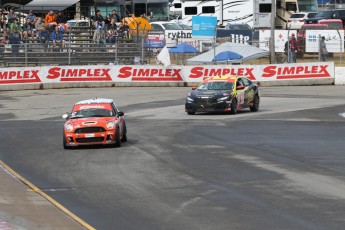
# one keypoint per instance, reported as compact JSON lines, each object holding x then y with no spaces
{"x":280,"y":37}
{"x":334,"y":40}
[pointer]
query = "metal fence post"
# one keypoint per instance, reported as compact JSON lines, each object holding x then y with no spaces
{"x":341,"y":47}
{"x":142,"y":48}
{"x":115,"y":51}
{"x":26,"y":53}
{"x":319,"y":47}
{"x":69,"y":48}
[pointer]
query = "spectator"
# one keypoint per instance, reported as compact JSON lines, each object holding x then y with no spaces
{"x":31,"y":17}
{"x":124,"y":29}
{"x":111,"y":36}
{"x":57,"y":37}
{"x":44,"y":35}
{"x":99,"y":20}
{"x":107,"y":22}
{"x":144,"y":16}
{"x":5,"y":38}
{"x":50,"y":20}
{"x":3,"y":20}
{"x":39,"y":26}
{"x":287,"y":50}
{"x":15,"y":25}
{"x":115,"y":18}
{"x":14,"y":40}
{"x":294,"y":48}
{"x":99,"y":36}
{"x":28,"y":30}
{"x":11,"y":16}
{"x":60,"y":18}
{"x":4,"y":41}
{"x":323,"y":49}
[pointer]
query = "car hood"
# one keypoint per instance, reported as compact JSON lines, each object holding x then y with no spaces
{"x":90,"y":122}
{"x":210,"y":93}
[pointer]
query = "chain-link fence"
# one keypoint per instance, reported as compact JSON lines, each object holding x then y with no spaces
{"x":85,"y":46}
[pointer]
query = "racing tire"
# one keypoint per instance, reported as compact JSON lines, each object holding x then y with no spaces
{"x":64,"y":143}
{"x":190,"y":113}
{"x":256,"y":103}
{"x":124,"y":136}
{"x":233,"y":106}
{"x":117,"y":138}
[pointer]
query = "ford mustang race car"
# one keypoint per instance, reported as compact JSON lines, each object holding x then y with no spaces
{"x":223,"y":94}
{"x":94,"y":121}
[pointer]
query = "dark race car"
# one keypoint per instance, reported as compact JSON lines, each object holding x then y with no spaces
{"x":223,"y":94}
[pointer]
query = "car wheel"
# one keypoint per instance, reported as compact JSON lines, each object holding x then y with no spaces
{"x":190,"y":113}
{"x":124,"y":135}
{"x":64,"y":142}
{"x":256,"y":102}
{"x":233,"y":106}
{"x":117,"y":138}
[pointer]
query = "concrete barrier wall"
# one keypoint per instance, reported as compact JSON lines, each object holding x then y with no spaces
{"x":339,"y":78}
{"x":48,"y":77}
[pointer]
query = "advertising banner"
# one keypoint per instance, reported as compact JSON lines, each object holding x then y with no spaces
{"x":155,"y":39}
{"x":137,"y":73}
{"x":334,"y":40}
{"x":204,"y":26}
{"x":280,"y":37}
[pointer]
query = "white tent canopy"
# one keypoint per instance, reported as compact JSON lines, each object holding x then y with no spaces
{"x":49,"y":4}
{"x":247,"y":51}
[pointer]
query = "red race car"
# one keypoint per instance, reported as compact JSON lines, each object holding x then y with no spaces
{"x":95,"y":121}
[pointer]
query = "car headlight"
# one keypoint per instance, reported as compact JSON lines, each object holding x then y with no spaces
{"x":222,"y":98}
{"x":110,"y":125}
{"x":190,"y":99}
{"x":69,"y":127}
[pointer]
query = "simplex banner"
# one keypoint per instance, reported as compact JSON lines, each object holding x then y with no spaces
{"x":136,"y":73}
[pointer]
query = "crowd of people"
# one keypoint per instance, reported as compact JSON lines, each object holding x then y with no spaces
{"x":108,"y":29}
{"x":50,"y":29}
{"x":33,"y":30}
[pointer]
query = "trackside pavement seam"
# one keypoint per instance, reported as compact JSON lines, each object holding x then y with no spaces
{"x":46,"y":196}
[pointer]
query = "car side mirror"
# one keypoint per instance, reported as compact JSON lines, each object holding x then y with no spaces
{"x":66,"y":116}
{"x":240,"y":87}
{"x":194,"y":87}
{"x":120,"y":113}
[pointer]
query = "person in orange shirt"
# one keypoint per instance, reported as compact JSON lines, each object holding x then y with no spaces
{"x":50,"y":20}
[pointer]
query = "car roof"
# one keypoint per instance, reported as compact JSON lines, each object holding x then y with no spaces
{"x":95,"y":101}
{"x":330,"y":20}
{"x":231,"y":79}
{"x":314,"y":25}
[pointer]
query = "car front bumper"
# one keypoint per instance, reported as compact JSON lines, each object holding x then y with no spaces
{"x":101,"y":138}
{"x":217,"y":106}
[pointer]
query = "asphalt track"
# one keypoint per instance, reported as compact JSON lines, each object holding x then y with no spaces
{"x":279,"y":168}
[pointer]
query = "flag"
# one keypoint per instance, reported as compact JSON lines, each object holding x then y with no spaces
{"x":164,"y":57}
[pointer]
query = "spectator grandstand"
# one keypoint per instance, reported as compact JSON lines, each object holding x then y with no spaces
{"x":44,"y":38}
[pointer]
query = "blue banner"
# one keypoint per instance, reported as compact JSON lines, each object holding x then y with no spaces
{"x":204,"y":26}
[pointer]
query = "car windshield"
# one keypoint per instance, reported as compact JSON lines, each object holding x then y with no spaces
{"x":238,"y":27}
{"x":334,"y":25}
{"x":71,"y":24}
{"x":215,"y":85}
{"x":324,"y":14}
{"x":297,"y":16}
{"x":171,"y":26}
{"x":92,"y":113}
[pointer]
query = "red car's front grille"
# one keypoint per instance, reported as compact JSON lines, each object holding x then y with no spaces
{"x":90,"y":140}
{"x":90,"y":130}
